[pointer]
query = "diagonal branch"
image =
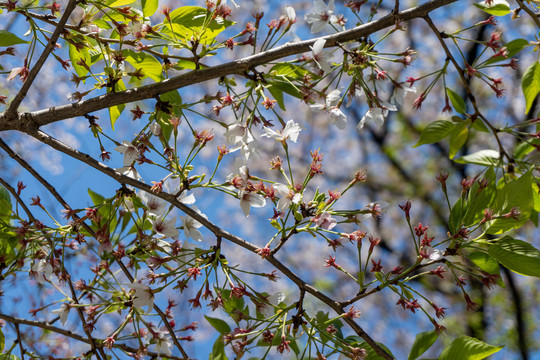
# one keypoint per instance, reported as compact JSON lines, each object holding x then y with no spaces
{"x":12,"y":110}
{"x":218,"y":232}
{"x":27,"y":121}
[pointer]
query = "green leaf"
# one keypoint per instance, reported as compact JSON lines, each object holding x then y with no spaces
{"x":435,"y":131}
{"x":8,"y":39}
{"x":97,"y":199}
{"x":456,"y":216}
{"x":146,"y":63}
{"x":530,"y":83}
{"x":513,"y":47}
{"x":189,"y":22}
{"x":458,"y":137}
{"x":522,"y":150}
{"x":482,"y":157}
{"x":467,"y":348}
{"x":116,"y":3}
{"x":277,"y":93}
{"x":218,"y":350}
{"x":116,"y":110}
{"x":422,"y":342}
{"x":79,"y":55}
{"x":457,"y":101}
{"x":479,"y":199}
{"x":2,"y":340}
{"x":221,"y":326}
{"x":514,"y":193}
{"x":290,"y":71}
{"x":497,"y":7}
{"x":484,"y":262}
{"x":5,"y":202}
{"x":149,"y":7}
{"x":518,"y":256}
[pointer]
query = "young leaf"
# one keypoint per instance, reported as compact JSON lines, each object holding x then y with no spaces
{"x":435,"y":131}
{"x":458,"y":137}
{"x":221,"y":326}
{"x":513,"y":194}
{"x":422,"y":342}
{"x":513,"y":47}
{"x":530,"y":83}
{"x":149,"y":7}
{"x":482,"y":157}
{"x":467,"y":348}
{"x":145,"y":63}
{"x":8,"y":39}
{"x":457,"y":101}
{"x":496,"y":8}
{"x":5,"y":201}
{"x":518,"y":256}
{"x":115,"y":111}
{"x":2,"y":340}
{"x":484,"y":262}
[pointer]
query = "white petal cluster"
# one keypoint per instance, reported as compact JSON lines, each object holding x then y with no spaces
{"x":131,"y":153}
{"x":321,"y":15}
{"x":42,"y":271}
{"x":331,"y":108}
{"x":291,"y":131}
{"x":143,"y":296}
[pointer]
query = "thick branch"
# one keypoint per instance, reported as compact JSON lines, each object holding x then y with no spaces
{"x":27,"y":121}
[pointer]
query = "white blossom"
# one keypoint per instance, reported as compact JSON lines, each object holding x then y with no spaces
{"x":130,"y":152}
{"x":286,"y":197}
{"x":63,"y":312}
{"x":400,"y":92}
{"x":130,"y":171}
{"x":331,"y":107}
{"x":163,"y":343}
{"x":155,"y":206}
{"x":165,"y":227}
{"x":248,"y":199}
{"x":291,"y":14}
{"x":273,"y":300}
{"x":42,"y":271}
{"x":320,"y":15}
{"x":325,"y":221}
{"x":323,"y":58}
{"x":143,"y":296}
{"x":291,"y":131}
{"x":191,"y":225}
{"x":377,"y":114}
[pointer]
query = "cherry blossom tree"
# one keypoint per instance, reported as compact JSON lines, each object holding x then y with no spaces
{"x":295,"y":178}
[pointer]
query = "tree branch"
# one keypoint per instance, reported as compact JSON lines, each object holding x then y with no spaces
{"x":27,"y":121}
{"x":218,"y":232}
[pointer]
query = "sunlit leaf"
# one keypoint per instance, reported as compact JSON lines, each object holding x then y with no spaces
{"x":530,"y":83}
{"x":422,"y":342}
{"x":496,"y":7}
{"x":435,"y":131}
{"x":517,"y":255}
{"x":8,"y":39}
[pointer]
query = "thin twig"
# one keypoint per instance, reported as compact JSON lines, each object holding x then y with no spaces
{"x":39,"y":63}
{"x":67,"y":333}
{"x":534,"y":16}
